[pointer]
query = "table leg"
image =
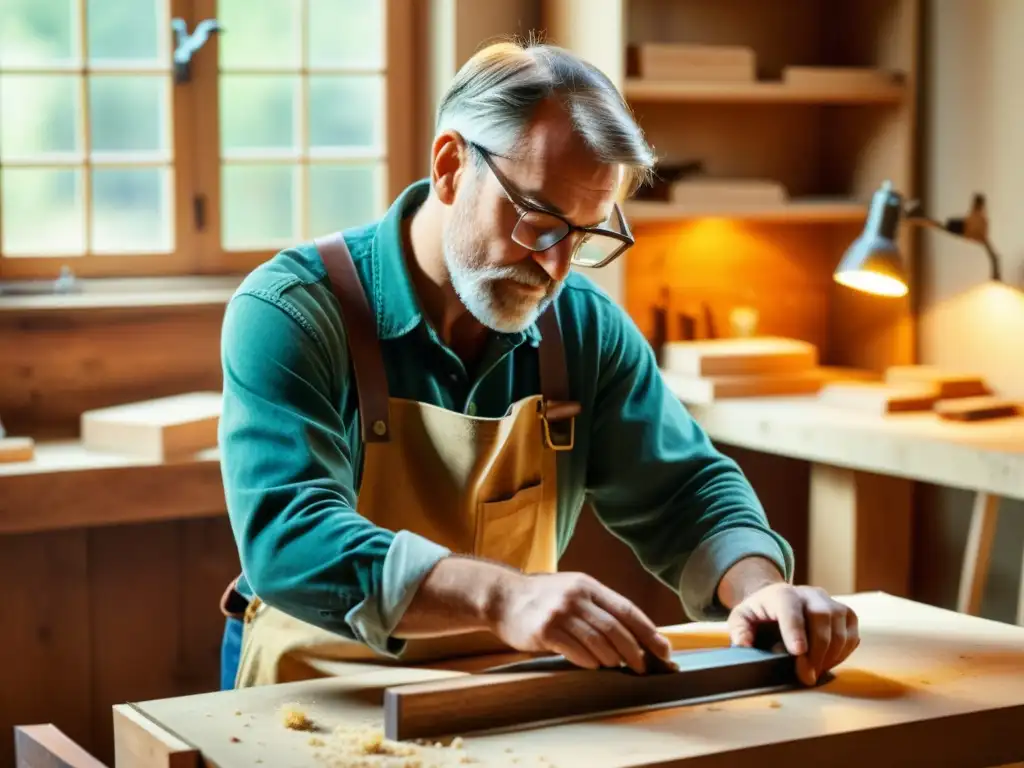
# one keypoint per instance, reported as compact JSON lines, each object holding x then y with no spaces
{"x":977,"y":553}
{"x":1020,"y":600}
{"x":859,"y":531}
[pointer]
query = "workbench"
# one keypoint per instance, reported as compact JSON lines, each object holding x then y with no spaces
{"x":927,"y":686}
{"x":862,"y":470}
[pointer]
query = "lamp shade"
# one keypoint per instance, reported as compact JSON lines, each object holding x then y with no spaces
{"x":872,"y":263}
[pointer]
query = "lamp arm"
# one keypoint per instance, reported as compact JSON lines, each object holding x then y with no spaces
{"x":914,"y":214}
{"x":993,"y":259}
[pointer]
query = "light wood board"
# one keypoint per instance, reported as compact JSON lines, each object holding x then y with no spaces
{"x":46,"y":746}
{"x":877,"y":397}
{"x":731,"y":357}
{"x":951,"y":384}
{"x":707,"y":389}
{"x":926,"y":686}
{"x":161,"y":429}
{"x":977,"y":408}
{"x":16,"y":449}
{"x":980,"y":456}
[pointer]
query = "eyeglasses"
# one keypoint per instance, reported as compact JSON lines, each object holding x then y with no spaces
{"x":539,"y":228}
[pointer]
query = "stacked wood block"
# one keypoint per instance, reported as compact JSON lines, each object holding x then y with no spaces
{"x":13,"y":449}
{"x":701,"y":372}
{"x":952,"y":395}
{"x":682,"y":62}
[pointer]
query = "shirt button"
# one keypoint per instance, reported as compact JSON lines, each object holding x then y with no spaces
{"x":471,"y":410}
{"x":453,"y":376}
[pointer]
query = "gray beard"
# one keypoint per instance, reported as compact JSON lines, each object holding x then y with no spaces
{"x":480,"y":288}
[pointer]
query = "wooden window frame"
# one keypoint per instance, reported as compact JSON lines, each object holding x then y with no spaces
{"x":195,"y":164}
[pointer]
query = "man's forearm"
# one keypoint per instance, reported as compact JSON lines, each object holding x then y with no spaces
{"x":745,"y":578}
{"x":457,"y":596}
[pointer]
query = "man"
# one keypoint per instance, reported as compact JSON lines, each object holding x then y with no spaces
{"x":416,"y":411}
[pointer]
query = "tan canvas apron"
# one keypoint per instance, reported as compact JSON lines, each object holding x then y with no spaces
{"x":480,"y":486}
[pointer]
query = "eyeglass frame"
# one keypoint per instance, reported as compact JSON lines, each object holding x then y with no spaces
{"x":519,"y":200}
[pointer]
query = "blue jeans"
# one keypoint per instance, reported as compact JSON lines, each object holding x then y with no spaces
{"x":230,"y":653}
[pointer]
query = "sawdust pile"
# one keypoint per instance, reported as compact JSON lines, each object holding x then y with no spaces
{"x":364,"y":746}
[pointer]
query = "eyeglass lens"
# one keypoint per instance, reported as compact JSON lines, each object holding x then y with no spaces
{"x":539,"y":231}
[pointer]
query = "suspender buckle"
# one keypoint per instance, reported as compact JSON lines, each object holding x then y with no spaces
{"x":559,"y":420}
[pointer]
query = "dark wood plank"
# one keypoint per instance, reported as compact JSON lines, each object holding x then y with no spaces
{"x":45,"y":642}
{"x":135,"y":575}
{"x":495,"y":700}
{"x":210,"y":563}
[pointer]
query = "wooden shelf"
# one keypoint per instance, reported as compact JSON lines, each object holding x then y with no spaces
{"x":764,"y":92}
{"x":800,"y":211}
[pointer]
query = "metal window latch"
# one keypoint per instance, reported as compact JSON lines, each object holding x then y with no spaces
{"x":185,"y":45}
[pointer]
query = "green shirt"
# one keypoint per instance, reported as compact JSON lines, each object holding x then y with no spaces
{"x":292,"y":452}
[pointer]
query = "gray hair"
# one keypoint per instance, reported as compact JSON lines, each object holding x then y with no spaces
{"x":493,"y":96}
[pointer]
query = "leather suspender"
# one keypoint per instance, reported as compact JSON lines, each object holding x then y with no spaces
{"x":368,"y":364}
{"x":559,"y":412}
{"x":361,"y":330}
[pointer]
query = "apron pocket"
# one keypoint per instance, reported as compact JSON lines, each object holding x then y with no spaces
{"x":506,"y":530}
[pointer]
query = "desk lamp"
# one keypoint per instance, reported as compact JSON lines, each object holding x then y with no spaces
{"x":873,"y":264}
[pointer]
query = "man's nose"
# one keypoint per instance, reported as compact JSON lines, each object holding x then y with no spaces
{"x":556,"y":260}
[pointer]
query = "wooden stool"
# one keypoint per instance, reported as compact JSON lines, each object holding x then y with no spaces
{"x":45,"y":746}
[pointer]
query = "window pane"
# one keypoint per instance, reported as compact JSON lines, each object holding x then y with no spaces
{"x":258,"y":206}
{"x":131,"y":210}
{"x":264,"y":39}
{"x":128,"y":113}
{"x":346,"y":33}
{"x":38,"y":32}
{"x":342,"y":196}
{"x":258,"y":112}
{"x":124,"y":29}
{"x":345,"y":111}
{"x":39,"y":115}
{"x":42,"y":211}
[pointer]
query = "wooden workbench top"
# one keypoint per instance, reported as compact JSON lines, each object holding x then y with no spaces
{"x":983,"y":456}
{"x":926,"y":687}
{"x":67,"y":486}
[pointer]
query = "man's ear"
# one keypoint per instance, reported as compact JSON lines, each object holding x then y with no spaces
{"x":449,"y":162}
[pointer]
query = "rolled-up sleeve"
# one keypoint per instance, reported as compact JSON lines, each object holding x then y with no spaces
{"x":288,"y":478}
{"x":656,"y":481}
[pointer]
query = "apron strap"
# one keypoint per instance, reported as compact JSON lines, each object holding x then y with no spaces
{"x":361,"y":330}
{"x":560,"y":411}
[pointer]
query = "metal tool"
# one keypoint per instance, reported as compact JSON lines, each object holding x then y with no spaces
{"x":767,"y":644}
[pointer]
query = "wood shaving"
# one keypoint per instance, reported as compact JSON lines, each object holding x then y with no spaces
{"x":296,"y":719}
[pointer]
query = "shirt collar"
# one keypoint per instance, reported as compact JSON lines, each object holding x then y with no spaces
{"x":395,"y":302}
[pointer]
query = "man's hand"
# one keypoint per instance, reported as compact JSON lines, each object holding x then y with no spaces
{"x":820,"y":631}
{"x":576,"y":616}
{"x":567,"y":613}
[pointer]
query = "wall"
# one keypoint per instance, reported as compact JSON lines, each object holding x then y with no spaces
{"x":973,"y":140}
{"x":456,"y":29}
